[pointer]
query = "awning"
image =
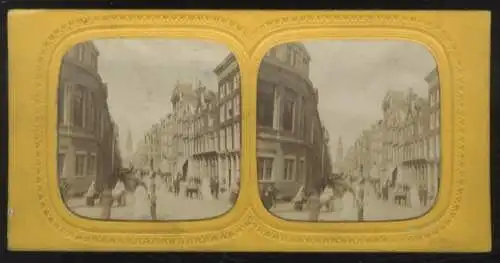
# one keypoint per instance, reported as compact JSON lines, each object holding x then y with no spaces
{"x":419,"y":161}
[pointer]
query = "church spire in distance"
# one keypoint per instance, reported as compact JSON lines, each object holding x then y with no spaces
{"x":129,"y":144}
{"x":339,"y":156}
{"x":340,"y":151}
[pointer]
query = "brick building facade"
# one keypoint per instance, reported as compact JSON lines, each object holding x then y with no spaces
{"x":87,"y":141}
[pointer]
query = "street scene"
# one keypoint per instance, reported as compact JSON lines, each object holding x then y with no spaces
{"x":149,"y":129}
{"x":348,"y":130}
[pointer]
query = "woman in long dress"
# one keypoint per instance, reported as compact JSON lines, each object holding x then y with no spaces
{"x":326,"y":198}
{"x":349,"y":209}
{"x":414,"y":198}
{"x":137,"y":198}
{"x":205,"y":188}
{"x":234,"y":191}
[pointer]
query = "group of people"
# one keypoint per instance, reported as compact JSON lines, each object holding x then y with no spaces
{"x":141,"y":191}
{"x":343,"y":197}
{"x":137,"y":191}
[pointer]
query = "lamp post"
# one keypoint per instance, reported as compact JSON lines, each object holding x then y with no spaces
{"x":361,"y":198}
{"x":107,"y":197}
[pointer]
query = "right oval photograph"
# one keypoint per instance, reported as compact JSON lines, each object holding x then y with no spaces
{"x":348,"y":130}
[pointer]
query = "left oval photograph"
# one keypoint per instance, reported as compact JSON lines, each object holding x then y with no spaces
{"x":149,"y":129}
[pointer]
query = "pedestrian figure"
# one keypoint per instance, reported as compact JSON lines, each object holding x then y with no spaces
{"x":153,"y":195}
{"x":234,"y":192}
{"x":269,"y":196}
{"x":177,"y":184}
{"x":299,"y":199}
{"x":138,"y":199}
{"x":425,"y":195}
{"x":216,"y":187}
{"x":385,"y":191}
{"x":327,"y":197}
{"x":349,"y":211}
{"x":64,"y":187}
{"x":361,"y":200}
{"x":315,"y":206}
{"x":414,"y":199}
{"x":118,"y":193}
{"x":106,"y":203}
{"x":91,"y":195}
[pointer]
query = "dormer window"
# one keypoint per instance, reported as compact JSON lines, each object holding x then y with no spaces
{"x":81,"y":53}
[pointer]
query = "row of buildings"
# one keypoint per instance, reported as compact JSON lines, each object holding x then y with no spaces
{"x":87,"y":135}
{"x":407,"y":138}
{"x":202,"y":135}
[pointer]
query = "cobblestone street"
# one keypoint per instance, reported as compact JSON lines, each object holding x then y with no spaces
{"x":374,"y":210}
{"x":169,"y":207}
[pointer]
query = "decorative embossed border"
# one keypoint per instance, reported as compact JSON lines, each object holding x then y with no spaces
{"x":247,"y":227}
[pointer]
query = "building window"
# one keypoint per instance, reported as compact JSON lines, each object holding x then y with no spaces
{"x":93,"y":60}
{"x":222,"y":139}
{"x":237,"y":105}
{"x":206,"y":142}
{"x":288,"y":115}
{"x":81,"y":53}
{"x":91,"y":167}
{"x":431,"y":121}
{"x":61,"y":158}
{"x":221,"y":90}
{"x":438,"y":147}
{"x":222,"y":112}
{"x":312,"y":131}
{"x":91,"y":113}
{"x":61,"y":103}
{"x":210,"y":121}
{"x":302,"y":168}
{"x":230,"y":86}
{"x":229,"y":139}
{"x":229,"y":107}
{"x":265,"y":104}
{"x":225,"y":89}
{"x":425,"y":146}
{"x":236,"y":80}
{"x":289,"y":171}
{"x":437,"y":120}
{"x":214,"y":141}
{"x":236,"y":136}
{"x":264,"y":168}
{"x":80,"y":165}
{"x":432,"y":147}
{"x":304,"y":118}
{"x":78,"y":106}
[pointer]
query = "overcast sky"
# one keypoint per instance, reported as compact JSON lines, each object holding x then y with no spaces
{"x":141,"y":75}
{"x":352,"y":77}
